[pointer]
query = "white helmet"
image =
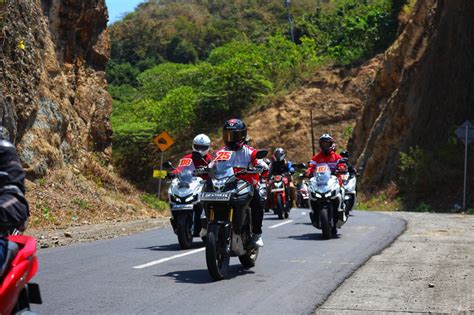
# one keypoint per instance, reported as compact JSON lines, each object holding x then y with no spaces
{"x":201,"y":144}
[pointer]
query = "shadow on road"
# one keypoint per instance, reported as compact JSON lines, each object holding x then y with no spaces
{"x":308,"y":237}
{"x":202,"y":276}
{"x":171,"y":247}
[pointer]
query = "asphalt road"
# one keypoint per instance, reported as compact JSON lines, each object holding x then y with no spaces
{"x":147,"y":273}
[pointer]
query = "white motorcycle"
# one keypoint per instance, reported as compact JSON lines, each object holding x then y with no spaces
{"x":349,"y":182}
{"x":186,"y":209}
{"x":326,"y":199}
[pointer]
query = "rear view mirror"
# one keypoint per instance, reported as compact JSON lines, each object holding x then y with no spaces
{"x":261,"y":154}
{"x":300,"y":165}
{"x":168,"y":165}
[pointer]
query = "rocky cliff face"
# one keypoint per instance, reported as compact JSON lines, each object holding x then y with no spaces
{"x":424,"y":88}
{"x":52,"y":81}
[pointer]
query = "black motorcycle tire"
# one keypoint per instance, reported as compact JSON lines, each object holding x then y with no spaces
{"x":184,"y":231}
{"x":217,"y":263}
{"x":325,"y":225}
{"x":279,"y":207}
{"x":248,"y":260}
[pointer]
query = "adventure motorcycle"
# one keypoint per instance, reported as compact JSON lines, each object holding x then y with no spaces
{"x":226,"y":200}
{"x":279,"y":195}
{"x":186,"y":209}
{"x":20,"y":266}
{"x":326,"y":199}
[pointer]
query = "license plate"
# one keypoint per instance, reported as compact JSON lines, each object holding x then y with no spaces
{"x":278,"y":189}
{"x":182,"y":207}
{"x":215,"y":196}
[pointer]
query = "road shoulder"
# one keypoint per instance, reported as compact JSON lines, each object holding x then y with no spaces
{"x":428,"y":269}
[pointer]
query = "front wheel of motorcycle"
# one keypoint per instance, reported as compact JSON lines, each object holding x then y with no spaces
{"x":184,"y":231}
{"x":325,"y":225}
{"x":217,"y":259}
{"x":248,"y":260}
{"x":279,"y":207}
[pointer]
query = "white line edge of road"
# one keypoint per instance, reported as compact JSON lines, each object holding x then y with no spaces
{"x":280,"y":224}
{"x":159,"y":261}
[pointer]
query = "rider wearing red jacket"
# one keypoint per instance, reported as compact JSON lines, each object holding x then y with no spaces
{"x":200,"y":156}
{"x":235,"y":135}
{"x":326,"y":155}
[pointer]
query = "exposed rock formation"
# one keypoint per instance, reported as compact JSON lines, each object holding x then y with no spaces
{"x":52,"y":81}
{"x":424,"y":88}
{"x":336,"y":97}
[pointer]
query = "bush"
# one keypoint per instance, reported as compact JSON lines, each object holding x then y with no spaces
{"x":122,"y":74}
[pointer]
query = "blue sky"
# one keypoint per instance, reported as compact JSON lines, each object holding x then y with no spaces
{"x":118,"y":7}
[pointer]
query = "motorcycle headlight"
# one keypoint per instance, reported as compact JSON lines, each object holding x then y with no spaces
{"x":327,"y":195}
{"x":189,"y":199}
{"x":318,"y":195}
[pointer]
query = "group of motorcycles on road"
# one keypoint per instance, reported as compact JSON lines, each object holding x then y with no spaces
{"x":217,"y":209}
{"x":212,"y":201}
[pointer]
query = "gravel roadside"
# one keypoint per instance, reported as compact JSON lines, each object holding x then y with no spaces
{"x":92,"y":232}
{"x":429,"y":269}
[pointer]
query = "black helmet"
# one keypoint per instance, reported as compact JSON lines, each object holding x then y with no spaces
{"x":234,"y":134}
{"x":279,"y":154}
{"x":326,"y":143}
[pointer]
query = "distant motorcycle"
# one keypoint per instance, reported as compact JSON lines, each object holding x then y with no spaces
{"x":20,"y":266}
{"x":226,"y":200}
{"x":263,"y":192}
{"x":349,"y":183}
{"x":184,"y":198}
{"x":279,"y":195}
{"x":302,"y":195}
{"x":326,"y":198}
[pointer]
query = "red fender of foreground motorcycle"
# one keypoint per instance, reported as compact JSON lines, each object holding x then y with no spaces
{"x":23,"y":267}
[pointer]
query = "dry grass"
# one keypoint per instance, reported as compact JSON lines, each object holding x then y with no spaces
{"x":71,"y":197}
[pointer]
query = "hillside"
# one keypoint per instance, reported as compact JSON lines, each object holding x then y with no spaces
{"x":335,"y":95}
{"x":421,"y":94}
{"x":54,"y":102}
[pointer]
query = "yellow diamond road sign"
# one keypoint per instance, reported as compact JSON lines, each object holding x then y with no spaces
{"x":163,"y":141}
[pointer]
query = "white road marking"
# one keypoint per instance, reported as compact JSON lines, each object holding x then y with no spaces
{"x":280,"y":224}
{"x":303,"y":213}
{"x":159,"y":261}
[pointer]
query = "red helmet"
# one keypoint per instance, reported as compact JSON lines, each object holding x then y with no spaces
{"x":326,"y":144}
{"x":234,"y":134}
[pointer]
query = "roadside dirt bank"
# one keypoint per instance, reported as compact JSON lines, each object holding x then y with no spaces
{"x":88,"y":233}
{"x":429,"y":269}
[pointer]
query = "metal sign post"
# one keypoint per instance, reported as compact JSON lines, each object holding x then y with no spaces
{"x":465,"y":133}
{"x":163,"y":141}
{"x":312,"y":131}
{"x":161,"y":169}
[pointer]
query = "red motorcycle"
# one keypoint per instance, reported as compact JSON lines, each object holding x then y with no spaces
{"x":21,"y":265}
{"x":279,"y":196}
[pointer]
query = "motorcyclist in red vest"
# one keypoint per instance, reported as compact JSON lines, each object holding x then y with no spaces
{"x":235,"y":135}
{"x":326,"y":155}
{"x":199,"y":157}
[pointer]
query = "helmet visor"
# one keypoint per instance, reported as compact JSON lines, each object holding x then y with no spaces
{"x":325,"y":144}
{"x":200,"y":147}
{"x":279,"y":156}
{"x":233,"y":135}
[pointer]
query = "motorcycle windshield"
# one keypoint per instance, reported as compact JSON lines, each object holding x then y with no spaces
{"x":223,"y":169}
{"x":185,"y":176}
{"x":322,"y":173}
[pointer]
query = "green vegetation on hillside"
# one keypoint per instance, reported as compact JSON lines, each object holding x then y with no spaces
{"x":178,"y":64}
